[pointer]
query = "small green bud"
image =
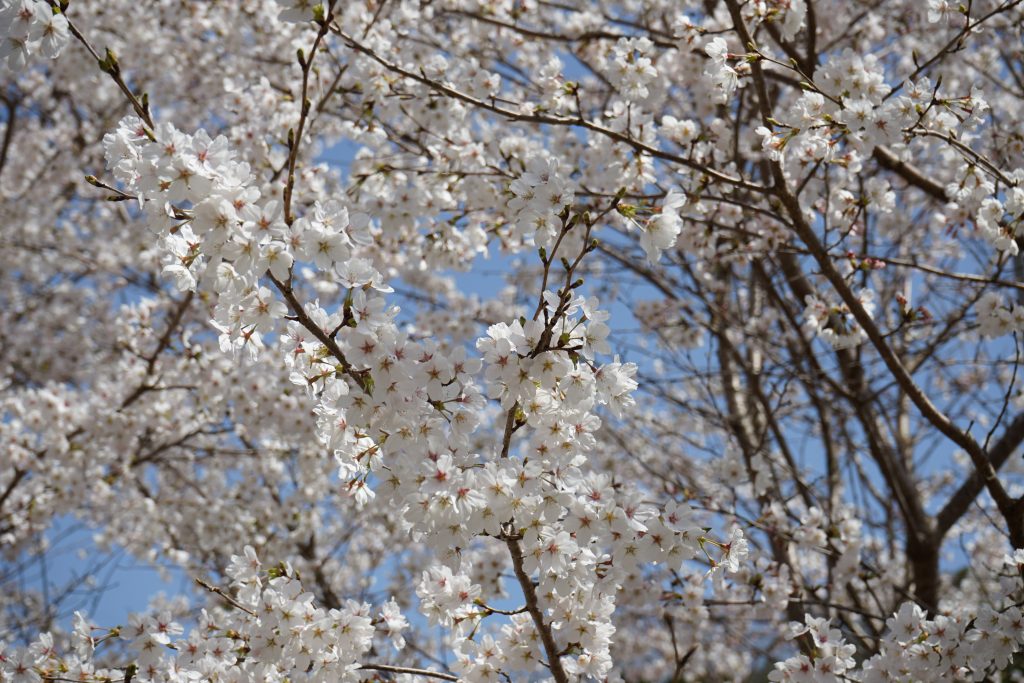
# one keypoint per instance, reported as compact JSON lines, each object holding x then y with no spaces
{"x":109,"y":62}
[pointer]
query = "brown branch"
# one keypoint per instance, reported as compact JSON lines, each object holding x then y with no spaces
{"x":19,"y":474}
{"x":162,"y":344}
{"x":998,"y":454}
{"x":224,"y":596}
{"x":295,"y":136}
{"x":811,"y":42}
{"x":12,"y":115}
{"x":895,"y":474}
{"x":532,"y":606}
{"x":551,"y":36}
{"x":409,"y":670}
{"x":968,"y":153}
{"x":910,"y":173}
{"x":303,"y":319}
{"x":110,"y":66}
{"x":963,"y":277}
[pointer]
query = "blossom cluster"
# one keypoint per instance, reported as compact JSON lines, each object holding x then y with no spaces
{"x":30,"y":27}
{"x":271,"y":630}
{"x":724,"y":77}
{"x":222,"y":234}
{"x":631,"y":67}
{"x":539,"y":196}
{"x":958,"y":644}
{"x":997,"y":317}
{"x":835,"y":323}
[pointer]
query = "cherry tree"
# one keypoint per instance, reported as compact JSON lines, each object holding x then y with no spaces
{"x":628,"y":341}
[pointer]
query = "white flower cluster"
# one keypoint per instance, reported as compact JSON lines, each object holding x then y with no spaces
{"x":271,"y":631}
{"x":28,"y":27}
{"x":997,"y":317}
{"x":999,"y":221}
{"x":835,"y":323}
{"x":794,"y":16}
{"x":942,"y":10}
{"x":402,"y":411}
{"x":957,"y":644}
{"x":221,"y":232}
{"x":662,"y":230}
{"x":410,"y":426}
{"x":631,"y":68}
{"x":833,"y":656}
{"x":947,"y":647}
{"x":723,"y":77}
{"x":540,"y":195}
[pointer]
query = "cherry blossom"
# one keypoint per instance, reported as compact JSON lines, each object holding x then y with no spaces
{"x":514,"y":341}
